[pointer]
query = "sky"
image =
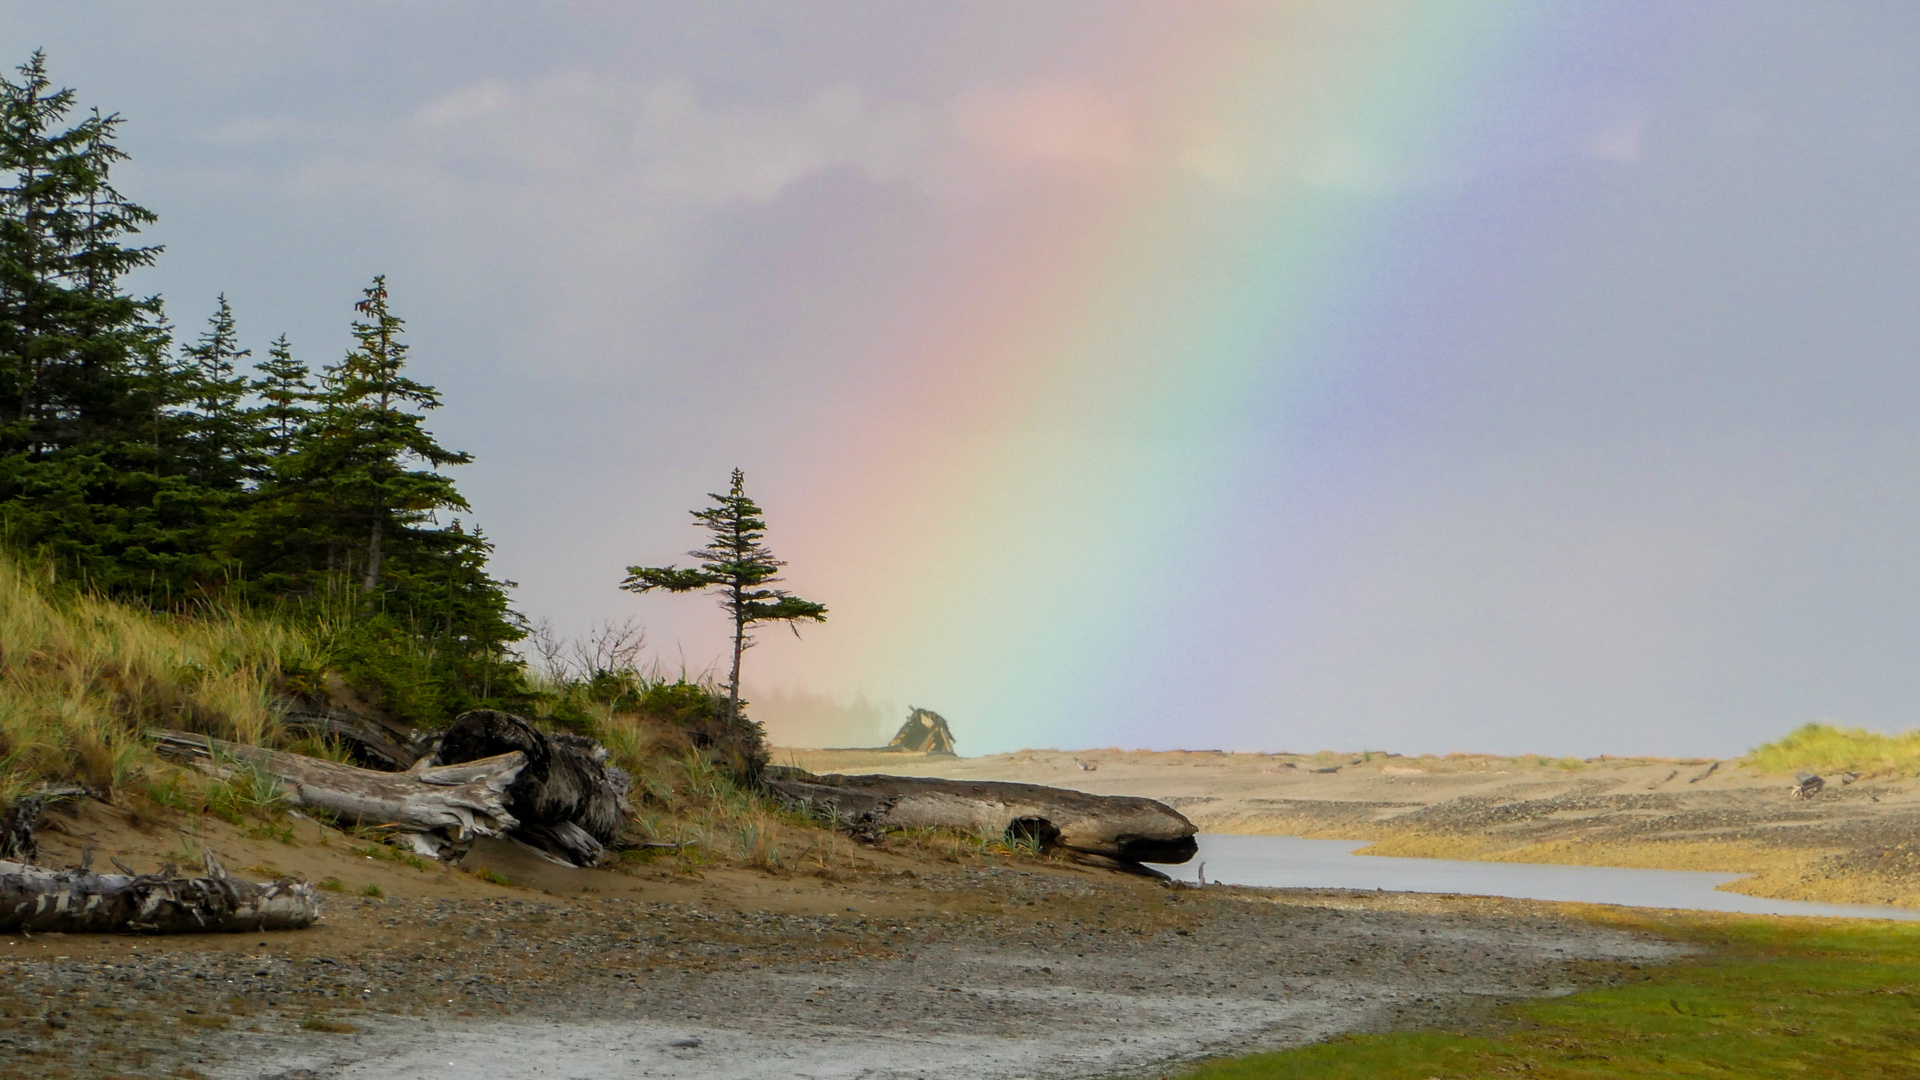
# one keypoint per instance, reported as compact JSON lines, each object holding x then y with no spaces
{"x":1491,"y":376}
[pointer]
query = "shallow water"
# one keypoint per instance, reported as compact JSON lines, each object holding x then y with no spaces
{"x":1290,"y":862}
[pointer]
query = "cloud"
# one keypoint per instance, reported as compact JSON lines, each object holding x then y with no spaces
{"x":1048,"y":121}
{"x":656,"y":141}
{"x":1620,"y":142}
{"x":613,"y":146}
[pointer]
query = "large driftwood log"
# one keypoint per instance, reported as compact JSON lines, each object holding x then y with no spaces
{"x":35,"y":898}
{"x":1120,"y":831}
{"x":440,"y":805}
{"x":570,"y":802}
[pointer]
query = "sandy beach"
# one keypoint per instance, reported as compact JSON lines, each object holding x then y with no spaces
{"x":1852,"y":842}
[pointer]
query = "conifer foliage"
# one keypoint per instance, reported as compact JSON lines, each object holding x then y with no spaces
{"x":738,"y":565}
{"x":177,"y":475}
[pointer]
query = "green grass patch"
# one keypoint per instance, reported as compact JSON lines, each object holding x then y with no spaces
{"x":1824,"y":748}
{"x":1768,"y":998}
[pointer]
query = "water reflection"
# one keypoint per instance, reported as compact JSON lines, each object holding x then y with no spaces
{"x":1289,"y":862}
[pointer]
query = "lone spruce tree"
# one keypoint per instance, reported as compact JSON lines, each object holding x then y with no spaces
{"x":737,"y":564}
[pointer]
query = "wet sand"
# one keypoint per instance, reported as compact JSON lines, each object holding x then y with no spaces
{"x":1003,"y":972}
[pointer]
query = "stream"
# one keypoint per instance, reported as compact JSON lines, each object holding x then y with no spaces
{"x":1291,"y":862}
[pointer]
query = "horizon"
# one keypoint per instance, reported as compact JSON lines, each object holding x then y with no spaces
{"x":1517,"y":376}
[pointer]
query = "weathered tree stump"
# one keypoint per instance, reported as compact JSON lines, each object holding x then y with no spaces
{"x":38,"y":899}
{"x":1117,"y":831}
{"x":570,"y":803}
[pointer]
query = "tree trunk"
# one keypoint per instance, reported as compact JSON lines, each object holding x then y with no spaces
{"x":34,"y":898}
{"x":739,"y":646}
{"x":1118,"y":831}
{"x":439,"y":805}
{"x":373,"y":553}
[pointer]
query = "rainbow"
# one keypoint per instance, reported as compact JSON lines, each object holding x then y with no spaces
{"x":1038,"y":518}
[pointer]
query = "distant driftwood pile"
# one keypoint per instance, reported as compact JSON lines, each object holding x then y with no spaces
{"x":1119,"y":832}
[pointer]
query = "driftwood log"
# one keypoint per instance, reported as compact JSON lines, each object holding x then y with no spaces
{"x":1806,"y":785}
{"x":1117,"y":831}
{"x":371,"y":738}
{"x":493,"y":774}
{"x":35,"y":898}
{"x":434,"y":807}
{"x":568,"y":800}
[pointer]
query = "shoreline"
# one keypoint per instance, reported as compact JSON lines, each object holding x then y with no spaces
{"x":1856,"y":843}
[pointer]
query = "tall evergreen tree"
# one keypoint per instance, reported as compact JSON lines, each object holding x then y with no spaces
{"x":223,"y":439}
{"x":67,"y":332}
{"x":738,"y":565}
{"x":90,"y":468}
{"x":158,"y":472}
{"x":361,"y":449}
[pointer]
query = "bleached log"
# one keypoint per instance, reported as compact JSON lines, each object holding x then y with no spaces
{"x":38,"y":899}
{"x":1122,"y":828}
{"x":457,"y":802}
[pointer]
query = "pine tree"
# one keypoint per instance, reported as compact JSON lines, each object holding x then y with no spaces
{"x":737,"y":563}
{"x":146,"y":470}
{"x":368,"y":432}
{"x":93,"y":468}
{"x":284,"y":386}
{"x":222,"y":435}
{"x":67,"y":333}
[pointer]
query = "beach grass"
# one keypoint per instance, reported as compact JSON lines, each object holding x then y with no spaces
{"x":1824,"y":748}
{"x":82,"y":678}
{"x":1764,"y":998}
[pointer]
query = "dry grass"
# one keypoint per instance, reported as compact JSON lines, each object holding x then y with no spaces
{"x":1824,"y":748}
{"x":682,"y":797}
{"x":81,"y":679}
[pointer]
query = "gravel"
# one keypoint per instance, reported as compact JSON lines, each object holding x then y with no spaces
{"x":1060,"y":975}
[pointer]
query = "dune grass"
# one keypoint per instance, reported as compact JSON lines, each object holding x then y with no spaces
{"x":1825,"y":748}
{"x":82,"y":677}
{"x":1768,"y":998}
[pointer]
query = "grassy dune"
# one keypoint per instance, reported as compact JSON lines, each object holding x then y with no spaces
{"x":81,"y":678}
{"x":1824,"y":748}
